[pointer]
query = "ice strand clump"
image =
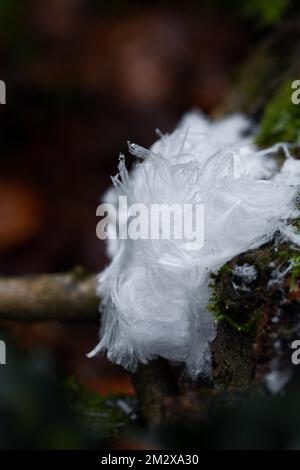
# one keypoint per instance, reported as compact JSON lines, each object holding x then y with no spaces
{"x":154,"y":293}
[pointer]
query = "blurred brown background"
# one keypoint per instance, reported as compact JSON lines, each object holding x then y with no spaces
{"x":83,"y":77}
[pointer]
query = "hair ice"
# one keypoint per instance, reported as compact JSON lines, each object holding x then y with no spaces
{"x":155,"y":292}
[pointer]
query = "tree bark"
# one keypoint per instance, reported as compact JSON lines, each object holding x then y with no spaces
{"x":154,"y":384}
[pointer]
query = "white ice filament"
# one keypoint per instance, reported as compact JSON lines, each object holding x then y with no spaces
{"x":155,"y":292}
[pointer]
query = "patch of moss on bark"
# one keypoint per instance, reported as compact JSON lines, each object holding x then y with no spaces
{"x":256,"y":322}
{"x":272,"y":63}
{"x":281,"y":118}
{"x":266,"y":13}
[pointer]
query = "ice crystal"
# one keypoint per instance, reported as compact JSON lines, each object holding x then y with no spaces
{"x":246,"y":272}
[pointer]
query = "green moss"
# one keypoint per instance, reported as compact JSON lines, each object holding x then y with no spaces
{"x":225,"y":269}
{"x":266,"y":12}
{"x":248,"y":327}
{"x":281,"y":119}
{"x":213,"y":306}
{"x":100,"y":415}
{"x":216,"y":307}
{"x":284,"y":255}
{"x":261,"y":13}
{"x":297,"y":224}
{"x":295,"y":271}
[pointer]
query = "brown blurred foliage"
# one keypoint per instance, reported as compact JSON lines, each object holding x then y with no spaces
{"x":83,"y":77}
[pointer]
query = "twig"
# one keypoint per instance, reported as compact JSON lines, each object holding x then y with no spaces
{"x":46,"y":297}
{"x":71,"y":297}
{"x":154,"y":384}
